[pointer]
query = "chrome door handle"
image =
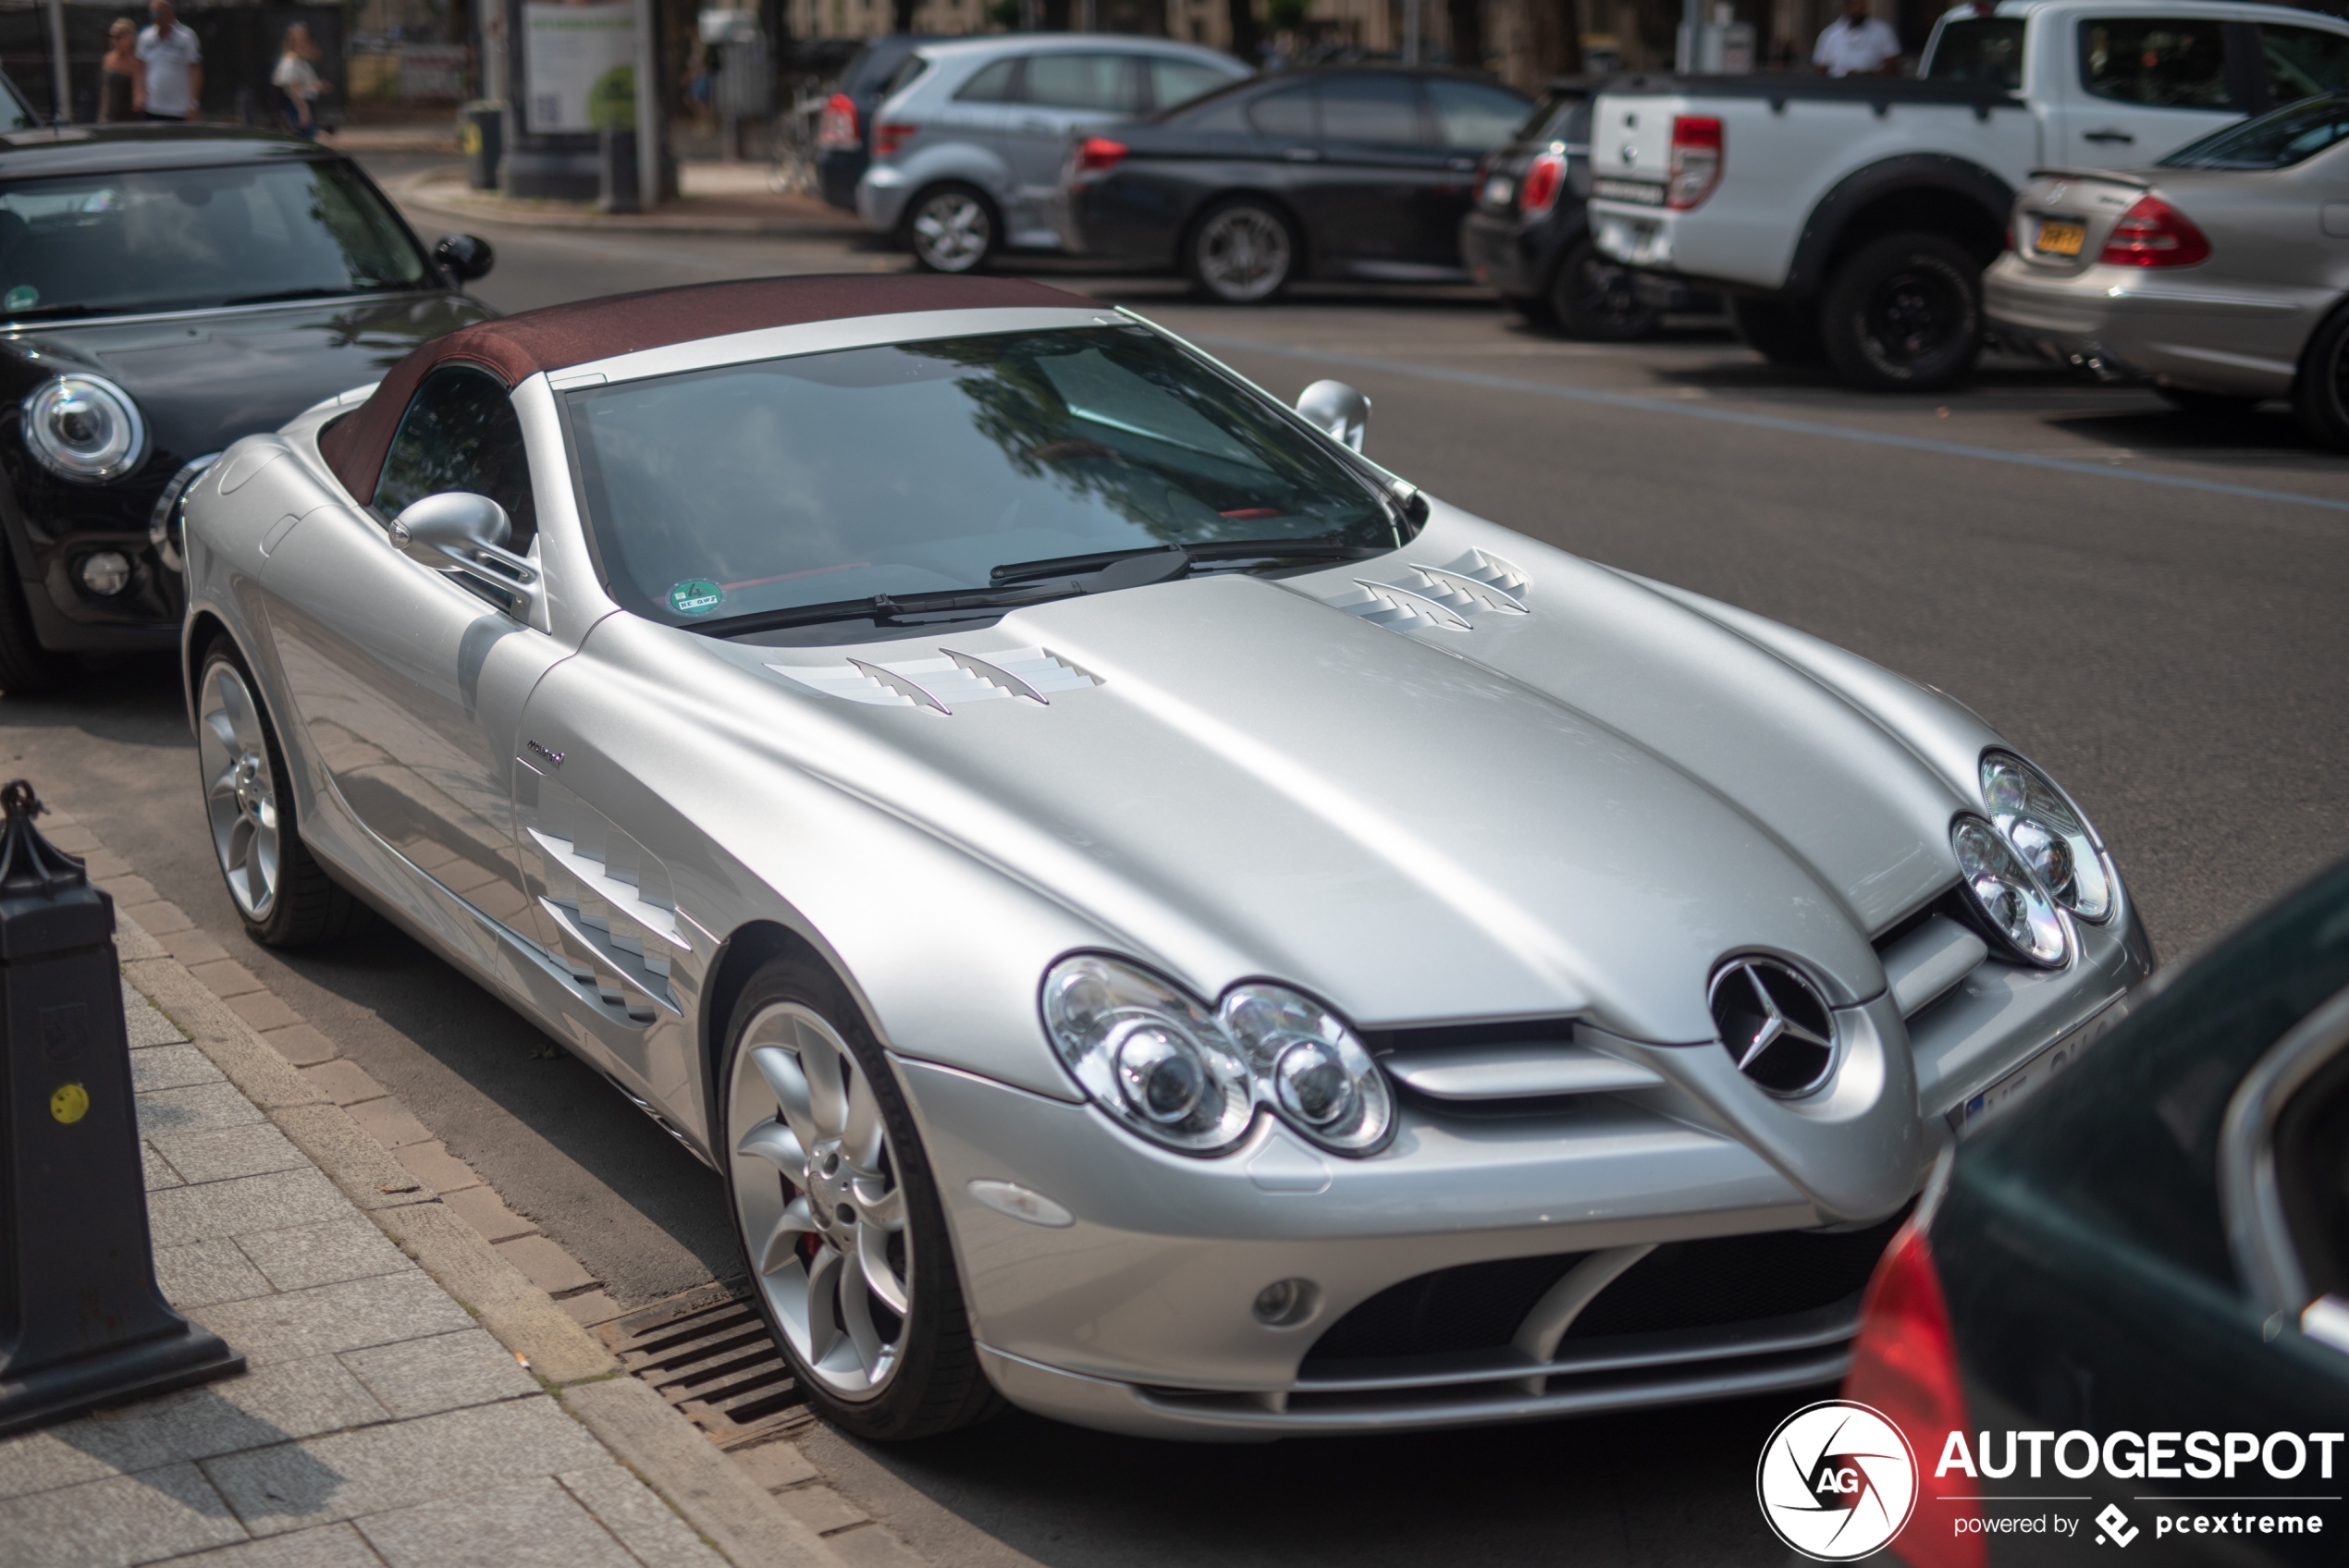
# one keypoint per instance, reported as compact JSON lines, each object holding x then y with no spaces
{"x":2108,"y":136}
{"x":1460,"y":164}
{"x":1302,"y":155}
{"x":1036,"y":125}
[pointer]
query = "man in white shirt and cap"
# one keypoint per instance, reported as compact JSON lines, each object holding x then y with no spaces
{"x":175,"y":67}
{"x":1856,"y":43}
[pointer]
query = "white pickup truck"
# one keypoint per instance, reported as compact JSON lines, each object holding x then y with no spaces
{"x":1850,"y":219}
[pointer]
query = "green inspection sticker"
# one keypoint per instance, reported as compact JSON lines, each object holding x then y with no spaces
{"x":23,"y":296}
{"x":696,"y":596}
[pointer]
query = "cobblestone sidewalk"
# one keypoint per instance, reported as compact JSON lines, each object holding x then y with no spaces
{"x":412,"y":1397}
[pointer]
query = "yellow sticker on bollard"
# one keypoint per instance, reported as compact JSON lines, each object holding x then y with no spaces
{"x":70,"y":1104}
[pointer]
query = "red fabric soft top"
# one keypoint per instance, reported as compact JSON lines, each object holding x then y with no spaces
{"x":515,"y":347}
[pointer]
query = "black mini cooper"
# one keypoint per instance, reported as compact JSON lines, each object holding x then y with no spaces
{"x":163,"y":291}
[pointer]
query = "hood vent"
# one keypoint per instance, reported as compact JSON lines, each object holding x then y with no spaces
{"x":945,"y":680}
{"x":1442,"y":596}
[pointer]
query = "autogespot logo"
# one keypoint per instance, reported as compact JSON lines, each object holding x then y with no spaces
{"x":1837,"y":1481}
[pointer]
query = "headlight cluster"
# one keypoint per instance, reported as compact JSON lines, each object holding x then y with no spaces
{"x":84,"y":428}
{"x":2032,"y":863}
{"x":2047,"y":834}
{"x":1182,"y":1076}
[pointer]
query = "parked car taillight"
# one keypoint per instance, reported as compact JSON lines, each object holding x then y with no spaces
{"x":888,"y":137}
{"x":836,"y":129}
{"x":1098,"y":154}
{"x":2155,"y":234}
{"x":1695,"y":168}
{"x":1904,"y":1366}
{"x":1538,"y":191}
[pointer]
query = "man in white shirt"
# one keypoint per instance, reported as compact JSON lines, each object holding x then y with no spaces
{"x":175,"y":67}
{"x":1857,"y":44}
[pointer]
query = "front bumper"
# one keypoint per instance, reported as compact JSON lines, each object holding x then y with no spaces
{"x":47,"y":551}
{"x":1138,"y":1315}
{"x":2125,"y":323}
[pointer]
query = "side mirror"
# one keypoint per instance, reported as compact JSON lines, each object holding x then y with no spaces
{"x":457,"y":531}
{"x":465,"y":256}
{"x":1338,"y":408}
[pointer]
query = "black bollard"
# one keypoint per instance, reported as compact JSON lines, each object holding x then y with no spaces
{"x":82,"y":1322}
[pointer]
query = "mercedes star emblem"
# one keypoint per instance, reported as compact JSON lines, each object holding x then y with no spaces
{"x":1775,"y":1023}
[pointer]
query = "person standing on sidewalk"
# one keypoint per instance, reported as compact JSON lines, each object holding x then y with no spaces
{"x":173,"y":81}
{"x":1856,"y":43}
{"x":298,"y":83}
{"x":120,"y":74}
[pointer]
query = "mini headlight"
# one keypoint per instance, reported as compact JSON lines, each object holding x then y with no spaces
{"x":2017,"y":907}
{"x":1320,"y":1079}
{"x":84,"y":428}
{"x":2048,"y":833}
{"x":1164,"y":1067}
{"x":1148,"y":1054}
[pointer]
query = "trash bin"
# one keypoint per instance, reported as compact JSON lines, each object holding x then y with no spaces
{"x":481,"y":132}
{"x":615,"y":165}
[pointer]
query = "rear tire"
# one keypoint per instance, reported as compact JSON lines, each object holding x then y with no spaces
{"x":26,"y":667}
{"x":1242,"y":251}
{"x":838,"y":1216}
{"x":1785,"y":331}
{"x":953,"y":228}
{"x":1903,"y":313}
{"x":1592,"y":297}
{"x":282,"y":894}
{"x":2320,"y":395}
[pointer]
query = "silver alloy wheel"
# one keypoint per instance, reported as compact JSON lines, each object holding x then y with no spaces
{"x":951,"y":231}
{"x":1243,"y":253}
{"x":241,"y":791}
{"x":816,"y":1196}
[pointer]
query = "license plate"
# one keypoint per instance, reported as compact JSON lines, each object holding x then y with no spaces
{"x":2034,"y":1075}
{"x":2060,"y":239}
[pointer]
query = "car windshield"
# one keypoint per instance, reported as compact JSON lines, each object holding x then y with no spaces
{"x":164,"y":240}
{"x":918,"y":468}
{"x":2275,"y":140}
{"x":1984,"y":49}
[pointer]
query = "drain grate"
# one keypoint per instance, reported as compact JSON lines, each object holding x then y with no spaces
{"x":708,"y":1352}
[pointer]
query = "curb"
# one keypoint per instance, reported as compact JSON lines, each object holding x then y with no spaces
{"x":762,"y":1507}
{"x":430,"y":191}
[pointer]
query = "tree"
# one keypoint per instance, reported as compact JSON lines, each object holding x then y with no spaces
{"x":1552,"y":34}
{"x":1244,"y":34}
{"x":1467,"y":32}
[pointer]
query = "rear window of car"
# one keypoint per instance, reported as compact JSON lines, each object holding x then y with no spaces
{"x":1474,"y":117}
{"x":1564,"y":117}
{"x":2302,"y":62}
{"x":1983,"y":49}
{"x":2160,"y":62}
{"x":908,"y":71}
{"x":2277,"y":141}
{"x":994,"y":84}
{"x":1175,"y":82}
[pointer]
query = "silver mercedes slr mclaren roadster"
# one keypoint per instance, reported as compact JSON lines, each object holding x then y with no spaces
{"x":1153,"y":917}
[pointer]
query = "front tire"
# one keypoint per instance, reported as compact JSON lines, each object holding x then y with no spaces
{"x":282,"y":894}
{"x":1594,"y":298}
{"x":838,"y":1217}
{"x":26,"y":667}
{"x":1785,"y":331}
{"x":2320,"y":395}
{"x":953,"y":229}
{"x":1241,"y":253}
{"x":1903,"y":313}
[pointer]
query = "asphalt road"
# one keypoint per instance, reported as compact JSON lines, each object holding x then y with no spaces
{"x":2145,"y":602}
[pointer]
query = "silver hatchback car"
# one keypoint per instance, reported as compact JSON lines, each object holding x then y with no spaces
{"x":968,"y":142}
{"x":2218,"y":274}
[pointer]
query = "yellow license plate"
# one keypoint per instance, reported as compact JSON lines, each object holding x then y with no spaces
{"x":2060,"y":239}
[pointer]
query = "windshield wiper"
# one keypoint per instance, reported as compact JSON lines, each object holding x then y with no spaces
{"x":1323,"y":549}
{"x":285,"y":294}
{"x":58,"y":313}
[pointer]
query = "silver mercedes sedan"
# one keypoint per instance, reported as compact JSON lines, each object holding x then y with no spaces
{"x":1152,"y":916}
{"x":2217,"y":275}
